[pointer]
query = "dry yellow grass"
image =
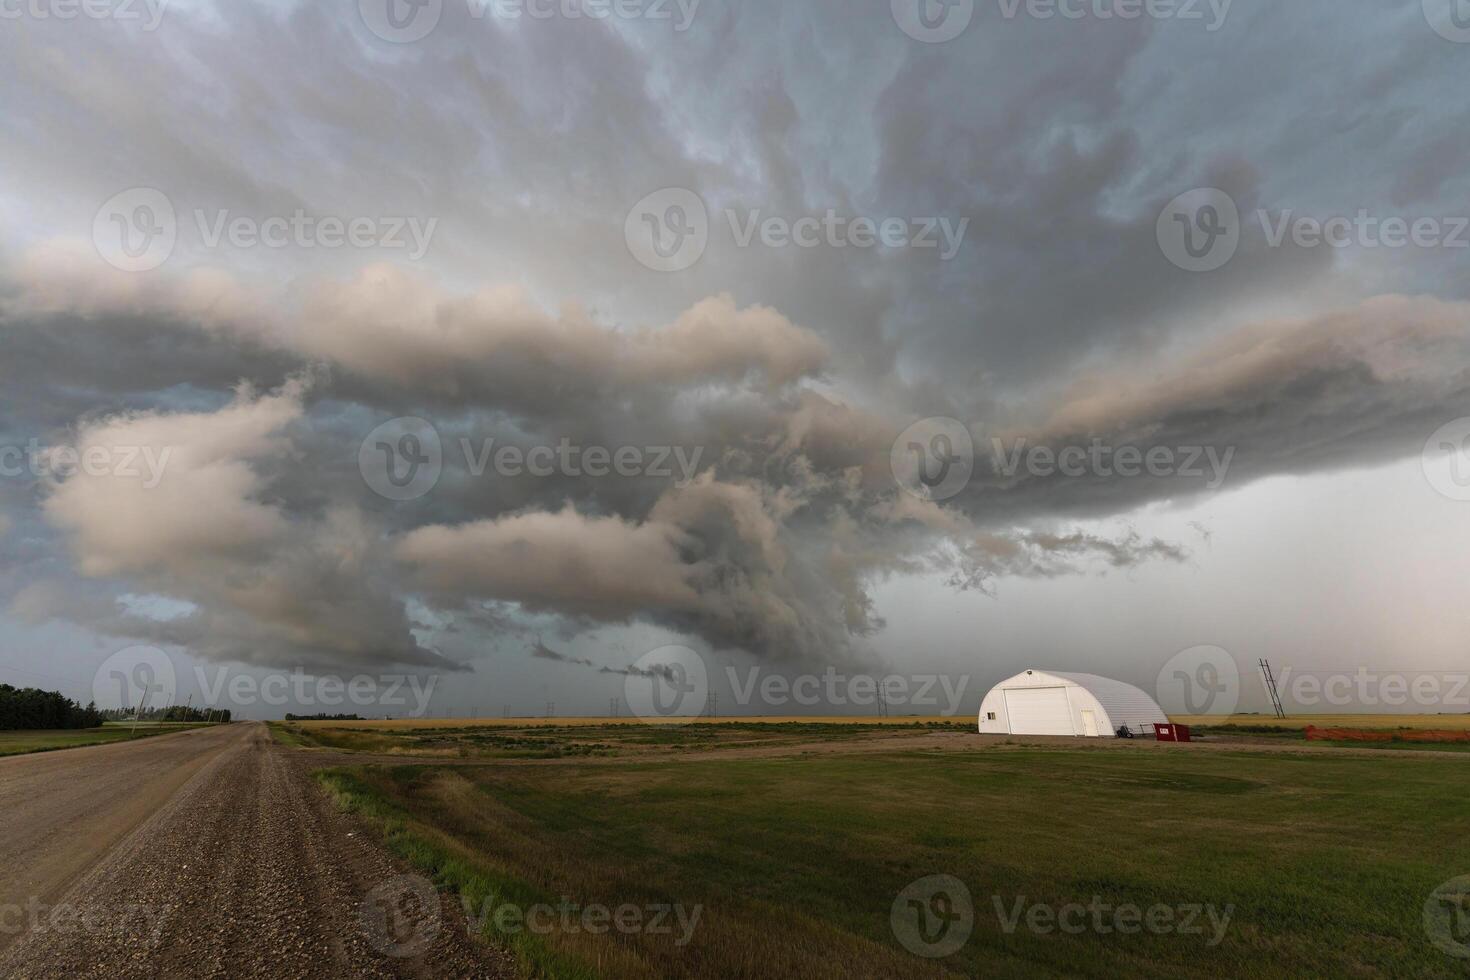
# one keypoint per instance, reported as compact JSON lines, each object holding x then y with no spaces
{"x":403,"y":723}
{"x":1444,"y":722}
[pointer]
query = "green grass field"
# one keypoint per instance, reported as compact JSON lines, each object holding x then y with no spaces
{"x":20,"y":743}
{"x":1322,"y":862}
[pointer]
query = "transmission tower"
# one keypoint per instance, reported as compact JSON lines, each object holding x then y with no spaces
{"x":1269,"y":680}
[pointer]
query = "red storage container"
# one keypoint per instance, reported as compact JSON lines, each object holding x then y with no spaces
{"x":1172,"y":733}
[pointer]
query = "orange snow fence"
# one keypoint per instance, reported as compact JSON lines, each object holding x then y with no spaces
{"x":1315,"y":734}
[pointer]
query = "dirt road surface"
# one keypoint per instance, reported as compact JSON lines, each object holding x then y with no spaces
{"x":209,"y":853}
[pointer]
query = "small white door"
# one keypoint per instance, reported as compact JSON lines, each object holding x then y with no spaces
{"x":1089,"y":723}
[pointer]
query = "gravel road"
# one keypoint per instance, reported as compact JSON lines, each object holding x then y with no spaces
{"x":209,"y":853}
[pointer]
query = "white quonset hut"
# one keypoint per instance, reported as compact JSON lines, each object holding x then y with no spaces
{"x":1037,"y":702}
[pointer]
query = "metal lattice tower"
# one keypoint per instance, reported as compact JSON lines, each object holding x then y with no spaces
{"x":1269,"y":680}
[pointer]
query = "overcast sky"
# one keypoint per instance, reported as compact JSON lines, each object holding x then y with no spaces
{"x":505,"y":346}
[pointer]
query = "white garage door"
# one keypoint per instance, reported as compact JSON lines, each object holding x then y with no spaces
{"x":1039,"y":711}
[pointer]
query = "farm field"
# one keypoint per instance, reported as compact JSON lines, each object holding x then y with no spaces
{"x":795,"y":862}
{"x":589,"y":737}
{"x":20,"y":743}
{"x":1447,"y":722}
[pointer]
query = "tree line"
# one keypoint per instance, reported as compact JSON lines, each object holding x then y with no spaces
{"x":174,"y":712}
{"x":32,"y":708}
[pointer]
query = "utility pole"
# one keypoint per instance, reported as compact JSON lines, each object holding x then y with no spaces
{"x":136,"y":715}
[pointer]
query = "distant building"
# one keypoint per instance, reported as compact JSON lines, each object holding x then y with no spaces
{"x":1036,"y":702}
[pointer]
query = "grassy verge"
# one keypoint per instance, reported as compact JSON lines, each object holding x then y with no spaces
{"x":479,"y":886}
{"x":1279,"y":734}
{"x":287,"y":734}
{"x":25,"y":742}
{"x":1324,"y":862}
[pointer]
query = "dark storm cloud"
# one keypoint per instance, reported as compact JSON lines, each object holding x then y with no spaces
{"x":1057,"y":323}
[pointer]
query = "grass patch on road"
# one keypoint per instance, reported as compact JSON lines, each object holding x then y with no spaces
{"x":24,"y":742}
{"x":1324,"y":862}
